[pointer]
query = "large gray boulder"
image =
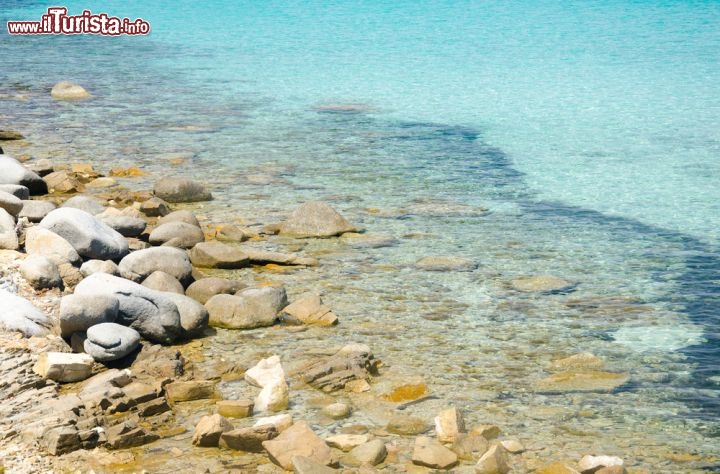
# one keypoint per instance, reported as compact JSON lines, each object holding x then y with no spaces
{"x":315,"y":219}
{"x":181,"y":190}
{"x":194,"y":317}
{"x":177,"y":234}
{"x":138,"y":265}
{"x":35,"y":211}
{"x":17,"y":190}
{"x":8,"y":236}
{"x":40,"y":241}
{"x":89,"y":236}
{"x":216,"y":254}
{"x":80,"y":312}
{"x":13,"y":172}
{"x":40,"y":272}
{"x":249,"y":308}
{"x":85,"y":203}
{"x":12,"y":204}
{"x":128,"y":226}
{"x":150,"y":312}
{"x":109,"y":341}
{"x":18,"y":314}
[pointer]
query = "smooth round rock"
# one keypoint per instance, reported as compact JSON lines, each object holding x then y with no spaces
{"x":109,"y":341}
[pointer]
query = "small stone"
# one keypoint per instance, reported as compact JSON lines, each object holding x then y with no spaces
{"x":35,"y":211}
{"x":541,"y":284}
{"x":63,"y":182}
{"x":513,"y":446}
{"x":488,"y":432}
{"x":248,"y":439}
{"x":309,"y":309}
{"x":556,"y":468}
{"x":10,"y":135}
{"x":611,"y":470}
{"x":40,"y":272}
{"x":101,"y":182}
{"x":176,"y":234}
{"x":469,"y":447}
{"x":337,"y":411}
{"x":40,"y":241}
{"x":273,"y":397}
{"x":204,"y":289}
{"x":208,"y":430}
{"x":266,"y":371}
{"x":65,"y":90}
{"x":190,"y":390}
{"x":445,"y":264}
{"x":8,"y":235}
{"x":281,"y":422}
{"x":235,"y":408}
{"x":126,"y":225}
{"x":589,"y":464}
{"x":346,"y":442}
{"x":85,"y":203}
{"x":305,"y":465}
{"x":180,"y":216}
{"x":494,"y":461}
{"x":248,"y":309}
{"x":373,"y":453}
{"x":99,"y":266}
{"x":10,"y":203}
{"x":63,"y":366}
{"x":154,"y":207}
{"x":230,"y":233}
{"x":139,"y":264}
{"x":406,"y":425}
{"x":448,"y":424}
{"x":19,"y":191}
{"x":430,"y":453}
{"x":298,"y":440}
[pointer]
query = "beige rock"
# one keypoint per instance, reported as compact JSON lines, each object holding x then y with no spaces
{"x":589,"y":464}
{"x":556,"y":468}
{"x":281,"y":422}
{"x":101,"y":183}
{"x":372,"y":453}
{"x":305,"y":465}
{"x":486,"y":431}
{"x":448,"y":424}
{"x":63,"y":182}
{"x":587,"y":381}
{"x":346,"y":442}
{"x":63,"y":366}
{"x":65,"y":90}
{"x":309,"y":309}
{"x":190,"y":390}
{"x":235,"y":408}
{"x":208,"y":430}
{"x":494,"y":461}
{"x":611,"y":470}
{"x":430,"y":453}
{"x":337,"y":411}
{"x":541,"y":284}
{"x":298,"y":440}
{"x":469,"y":447}
{"x":513,"y":446}
{"x":40,"y":241}
{"x":406,"y":425}
{"x":445,"y":264}
{"x":315,"y":219}
{"x":583,"y":360}
{"x":275,"y":396}
{"x":216,"y":254}
{"x":248,"y":439}
{"x":265,"y":372}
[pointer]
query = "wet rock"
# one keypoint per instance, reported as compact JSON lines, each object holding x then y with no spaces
{"x":181,"y":190}
{"x":87,"y":234}
{"x":208,"y":430}
{"x":110,"y":378}
{"x":152,"y":313}
{"x":154,"y":207}
{"x":430,"y":453}
{"x":235,"y":408}
{"x":372,"y":453}
{"x":10,"y":203}
{"x":611,"y":470}
{"x":265,"y":372}
{"x":63,"y":366}
{"x":583,"y":360}
{"x":10,"y":135}
{"x":13,"y":172}
{"x":448,"y":424}
{"x":337,"y":411}
{"x":309,"y":309}
{"x":280,"y":422}
{"x":161,"y":281}
{"x":109,"y":341}
{"x":42,"y":242}
{"x":352,"y":362}
{"x":513,"y":446}
{"x":66,"y":90}
{"x":215,"y":254}
{"x":99,"y":266}
{"x":101,"y":182}
{"x":469,"y":447}
{"x":80,"y":312}
{"x":17,"y":190}
{"x":298,"y":440}
{"x":8,"y":235}
{"x":248,"y":439}
{"x":61,"y":440}
{"x":275,"y":396}
{"x":138,"y":392}
{"x":35,"y":211}
{"x":346,"y":442}
{"x":541,"y":284}
{"x":445,"y":264}
{"x":360,"y":241}
{"x":587,"y":381}
{"x":138,"y":265}
{"x":153,"y":407}
{"x":315,"y":219}
{"x":18,"y":314}
{"x":63,"y":182}
{"x":590,"y":464}
{"x":305,"y":465}
{"x":126,"y":225}
{"x":488,"y":432}
{"x":250,"y":308}
{"x":176,"y":234}
{"x":204,"y":289}
{"x":556,"y":468}
{"x":406,"y":425}
{"x":85,"y":203}
{"x":40,"y":272}
{"x":231,"y":233}
{"x":127,"y":435}
{"x":190,"y":390}
{"x":264,"y":257}
{"x":180,"y":216}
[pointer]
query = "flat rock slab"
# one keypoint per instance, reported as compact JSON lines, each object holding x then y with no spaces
{"x":216,"y":254}
{"x":248,"y":439}
{"x":430,"y":453}
{"x":298,"y":440}
{"x":190,"y":390}
{"x":588,"y":381}
{"x":63,"y":366}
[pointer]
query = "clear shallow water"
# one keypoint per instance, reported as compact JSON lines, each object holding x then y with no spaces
{"x":589,"y":135}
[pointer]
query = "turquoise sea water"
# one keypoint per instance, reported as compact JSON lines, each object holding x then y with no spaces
{"x":587,"y":130}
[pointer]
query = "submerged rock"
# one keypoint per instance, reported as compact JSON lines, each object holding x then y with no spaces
{"x":66,"y":90}
{"x":181,"y":190}
{"x":315,"y":219}
{"x":445,"y":264}
{"x":589,"y":464}
{"x":309,"y":309}
{"x":542,"y":284}
{"x":352,"y":362}
{"x":588,"y":381}
{"x":298,"y":440}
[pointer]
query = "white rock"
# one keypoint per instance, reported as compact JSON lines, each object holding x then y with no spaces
{"x":280,"y":422}
{"x":63,"y":366}
{"x":18,"y":314}
{"x":448,"y":424}
{"x":590,"y":463}
{"x":265,"y":371}
{"x":275,"y":396}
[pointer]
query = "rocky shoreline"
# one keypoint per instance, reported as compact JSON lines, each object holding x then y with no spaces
{"x":108,"y":296}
